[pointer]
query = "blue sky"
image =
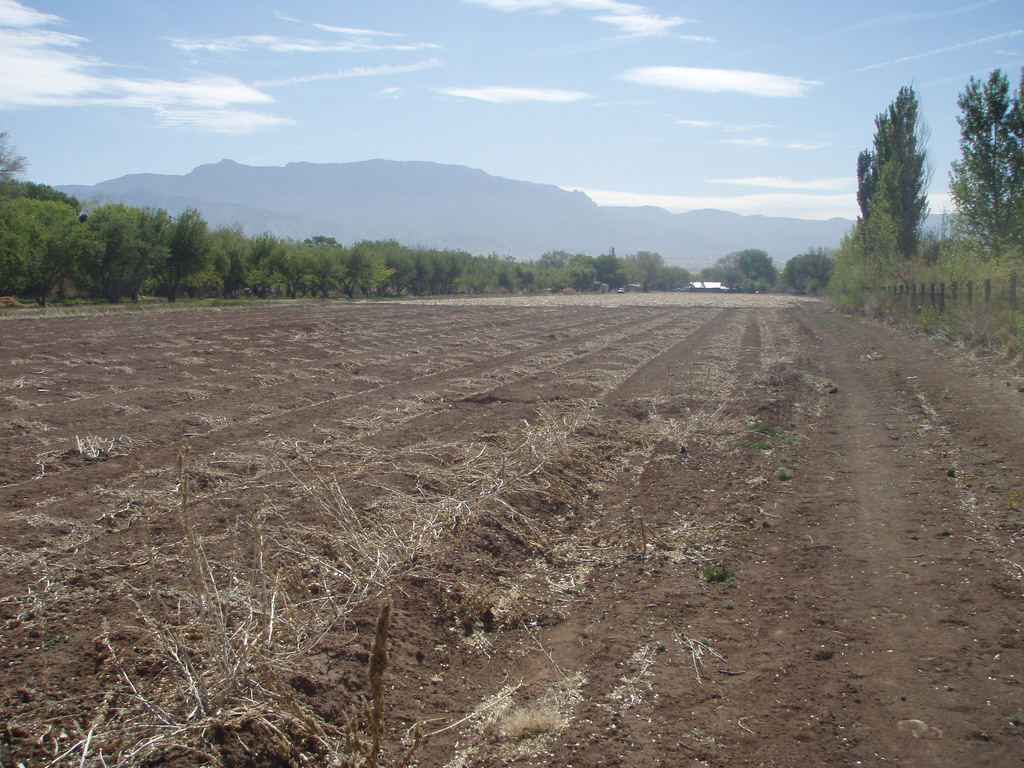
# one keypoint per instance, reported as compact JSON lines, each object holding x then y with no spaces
{"x":753,"y":107}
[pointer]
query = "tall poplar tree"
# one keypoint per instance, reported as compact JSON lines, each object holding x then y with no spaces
{"x":893,"y":174}
{"x":987,"y":183}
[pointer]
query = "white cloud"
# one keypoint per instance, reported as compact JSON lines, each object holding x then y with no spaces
{"x":641,"y":24}
{"x":230,"y":121}
{"x":14,"y":14}
{"x":802,"y":206}
{"x":752,"y":127}
{"x":757,"y":141}
{"x":209,"y":92}
{"x":554,"y":6}
{"x":696,"y":123}
{"x":356,"y":31}
{"x":727,"y":127}
{"x":42,"y":67}
{"x":719,"y":80}
{"x":631,"y":19}
{"x":941,"y":202}
{"x":805,"y":145}
{"x":784,"y":182}
{"x":384,"y":69}
{"x":944,"y":49}
{"x":760,"y":141}
{"x":503,"y":95}
{"x":363,"y":43}
{"x":892,"y":19}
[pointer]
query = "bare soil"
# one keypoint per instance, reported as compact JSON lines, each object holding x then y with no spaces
{"x":642,"y":530}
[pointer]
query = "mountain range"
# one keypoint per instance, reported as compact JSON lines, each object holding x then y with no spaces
{"x":424,"y":204}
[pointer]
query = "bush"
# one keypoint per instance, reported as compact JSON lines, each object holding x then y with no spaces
{"x":717,"y":572}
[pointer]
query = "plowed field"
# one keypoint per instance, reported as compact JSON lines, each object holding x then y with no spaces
{"x":624,"y":530}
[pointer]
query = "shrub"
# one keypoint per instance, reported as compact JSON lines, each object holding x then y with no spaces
{"x":717,"y":572}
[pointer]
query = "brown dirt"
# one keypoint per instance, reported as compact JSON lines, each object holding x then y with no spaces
{"x":536,"y":486}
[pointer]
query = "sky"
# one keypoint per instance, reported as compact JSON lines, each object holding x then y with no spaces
{"x":752,"y":107}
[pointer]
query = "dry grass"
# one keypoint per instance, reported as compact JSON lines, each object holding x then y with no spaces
{"x":529,"y":720}
{"x":213,"y":648}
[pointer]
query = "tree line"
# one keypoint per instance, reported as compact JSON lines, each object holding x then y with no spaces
{"x":983,"y":238}
{"x":118,"y":252}
{"x":53,"y":247}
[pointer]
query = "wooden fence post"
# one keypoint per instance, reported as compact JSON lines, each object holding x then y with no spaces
{"x":942,"y":298}
{"x":970,"y":292}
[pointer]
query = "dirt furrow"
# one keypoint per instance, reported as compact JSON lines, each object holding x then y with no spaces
{"x":166,"y":428}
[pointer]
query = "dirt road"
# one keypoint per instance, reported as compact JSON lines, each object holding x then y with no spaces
{"x":742,"y":532}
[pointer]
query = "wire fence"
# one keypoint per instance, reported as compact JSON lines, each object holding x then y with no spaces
{"x":997,"y":294}
{"x":987,"y":311}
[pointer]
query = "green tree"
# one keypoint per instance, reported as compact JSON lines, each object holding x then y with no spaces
{"x":525,"y":276}
{"x":15,"y":190}
{"x":809,"y":272}
{"x":611,"y":270}
{"x":12,"y":165}
{"x":556,"y":259}
{"x":423,"y":266}
{"x":479,"y":274}
{"x":130,"y":243}
{"x":987,"y":183}
{"x":325,"y":264}
{"x":674,"y":278}
{"x":266,"y":252}
{"x":41,"y":241}
{"x":645,"y":268}
{"x":401,"y":261}
{"x":188,"y":250}
{"x":893,"y":174}
{"x":447,"y":266}
{"x":365,"y":269}
{"x":229,"y":255}
{"x":757,"y":268}
{"x":726,"y":270}
{"x":582,"y":272}
{"x":508,"y":275}
{"x":862,"y":261}
{"x":292,"y":266}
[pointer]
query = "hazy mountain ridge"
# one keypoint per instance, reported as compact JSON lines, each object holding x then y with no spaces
{"x":448,"y":206}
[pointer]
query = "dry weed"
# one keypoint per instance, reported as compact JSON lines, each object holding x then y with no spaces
{"x":212,"y":649}
{"x":221,"y":644}
{"x":209,"y":660}
{"x":530,"y":720}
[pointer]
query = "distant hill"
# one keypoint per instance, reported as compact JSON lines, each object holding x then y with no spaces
{"x":449,"y":206}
